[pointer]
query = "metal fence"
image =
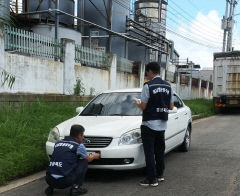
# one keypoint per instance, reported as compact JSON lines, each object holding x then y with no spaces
{"x":124,"y":65}
{"x":90,"y":57}
{"x":25,"y":42}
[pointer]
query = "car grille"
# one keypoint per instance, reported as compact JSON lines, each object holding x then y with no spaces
{"x":96,"y":142}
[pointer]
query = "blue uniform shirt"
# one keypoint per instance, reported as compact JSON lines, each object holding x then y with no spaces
{"x":81,"y":151}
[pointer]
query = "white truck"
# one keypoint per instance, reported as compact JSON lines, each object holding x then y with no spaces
{"x":226,"y":79}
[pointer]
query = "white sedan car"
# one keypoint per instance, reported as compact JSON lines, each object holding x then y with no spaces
{"x":112,"y":128}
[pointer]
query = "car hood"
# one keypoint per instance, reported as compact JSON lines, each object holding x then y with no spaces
{"x":107,"y":126}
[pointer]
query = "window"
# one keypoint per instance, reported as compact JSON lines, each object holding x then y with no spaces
{"x":177,"y":102}
{"x":113,"y":104}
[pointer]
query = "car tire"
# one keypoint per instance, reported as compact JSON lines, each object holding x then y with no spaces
{"x":185,"y":146}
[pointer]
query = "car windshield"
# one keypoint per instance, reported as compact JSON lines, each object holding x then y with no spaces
{"x":113,"y":104}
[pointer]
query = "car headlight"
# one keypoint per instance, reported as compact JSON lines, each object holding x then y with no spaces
{"x":131,"y":137}
{"x":54,"y":135}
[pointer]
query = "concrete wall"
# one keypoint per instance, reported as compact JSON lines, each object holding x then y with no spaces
{"x":92,"y":78}
{"x":34,"y":75}
{"x":127,"y":80}
{"x":43,"y":76}
{"x":37,"y":75}
{"x":183,"y":92}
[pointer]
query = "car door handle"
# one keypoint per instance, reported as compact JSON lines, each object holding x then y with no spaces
{"x":185,"y":114}
{"x":176,"y":118}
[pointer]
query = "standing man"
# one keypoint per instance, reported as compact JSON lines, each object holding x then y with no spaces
{"x":69,"y":163}
{"x":156,"y":100}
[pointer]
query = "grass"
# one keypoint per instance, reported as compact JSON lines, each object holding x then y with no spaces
{"x":23,"y":133}
{"x":202,"y":107}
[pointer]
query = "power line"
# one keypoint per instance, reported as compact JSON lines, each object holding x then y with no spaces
{"x":188,"y":15}
{"x":172,"y":31}
{"x":197,"y":30}
{"x":169,"y":30}
{"x":200,"y":26}
{"x":198,"y":36}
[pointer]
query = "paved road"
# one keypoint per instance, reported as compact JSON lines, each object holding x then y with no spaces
{"x":212,"y":167}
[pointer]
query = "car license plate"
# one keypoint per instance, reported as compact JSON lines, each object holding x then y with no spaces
{"x":92,"y":152}
{"x":234,"y":101}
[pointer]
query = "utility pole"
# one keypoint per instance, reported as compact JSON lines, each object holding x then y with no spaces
{"x":228,"y":24}
{"x":224,"y":26}
{"x":109,"y":24}
{"x":231,"y":24}
{"x":57,"y":19}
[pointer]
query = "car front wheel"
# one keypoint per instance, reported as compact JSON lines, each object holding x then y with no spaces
{"x":185,"y":146}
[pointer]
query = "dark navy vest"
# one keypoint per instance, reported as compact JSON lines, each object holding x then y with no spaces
{"x":159,"y":100}
{"x":64,"y":158}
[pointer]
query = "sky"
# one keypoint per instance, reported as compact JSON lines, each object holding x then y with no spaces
{"x":201,"y":22}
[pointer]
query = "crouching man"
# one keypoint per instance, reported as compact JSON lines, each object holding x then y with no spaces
{"x":69,"y":163}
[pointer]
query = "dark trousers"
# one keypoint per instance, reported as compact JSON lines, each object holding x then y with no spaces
{"x":154,"y":148}
{"x":76,"y":177}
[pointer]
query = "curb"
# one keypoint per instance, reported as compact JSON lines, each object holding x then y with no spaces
{"x":22,"y":181}
{"x":195,"y":117}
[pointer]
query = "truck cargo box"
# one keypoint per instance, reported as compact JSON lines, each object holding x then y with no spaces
{"x":226,"y":81}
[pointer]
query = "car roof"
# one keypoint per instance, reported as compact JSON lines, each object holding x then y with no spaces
{"x":130,"y":90}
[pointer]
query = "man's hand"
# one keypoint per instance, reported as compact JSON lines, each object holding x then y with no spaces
{"x":138,"y":102}
{"x":96,"y":155}
{"x":141,"y":105}
{"x":93,"y":156}
{"x":171,"y":106}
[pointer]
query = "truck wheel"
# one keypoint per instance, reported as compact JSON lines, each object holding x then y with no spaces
{"x":185,"y":146}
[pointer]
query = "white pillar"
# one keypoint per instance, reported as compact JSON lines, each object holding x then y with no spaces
{"x":68,"y":58}
{"x":178,"y":84}
{"x":113,"y":72}
{"x":141,"y":74}
{"x":199,"y":87}
{"x":207,"y":93}
{"x":190,"y":87}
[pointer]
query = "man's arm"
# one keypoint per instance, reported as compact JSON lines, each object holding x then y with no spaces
{"x":171,"y":106}
{"x":84,"y":155}
{"x":141,"y":105}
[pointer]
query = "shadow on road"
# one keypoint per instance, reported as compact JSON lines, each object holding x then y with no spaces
{"x":112,"y":175}
{"x":230,"y":111}
{"x":95,"y":175}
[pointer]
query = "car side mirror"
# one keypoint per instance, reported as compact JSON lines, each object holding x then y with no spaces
{"x":173,"y":111}
{"x":79,"y":109}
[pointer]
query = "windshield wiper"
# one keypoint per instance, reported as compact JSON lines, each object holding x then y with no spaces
{"x":89,"y":114}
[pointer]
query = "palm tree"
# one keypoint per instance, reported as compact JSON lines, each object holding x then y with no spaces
{"x":6,"y":78}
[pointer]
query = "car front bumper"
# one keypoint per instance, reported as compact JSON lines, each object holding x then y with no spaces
{"x":115,"y":157}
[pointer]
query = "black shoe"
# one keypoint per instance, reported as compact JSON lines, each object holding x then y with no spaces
{"x":146,"y":182}
{"x":78,"y":191}
{"x":49,"y":191}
